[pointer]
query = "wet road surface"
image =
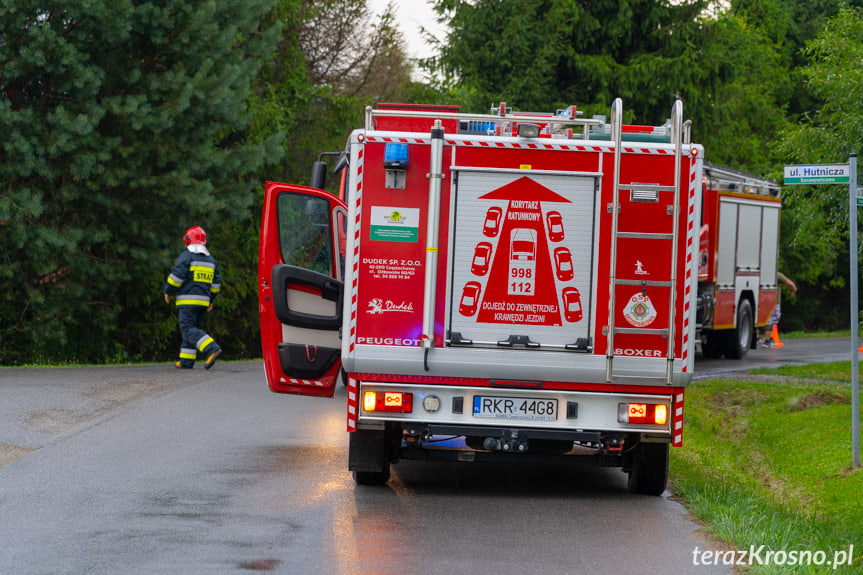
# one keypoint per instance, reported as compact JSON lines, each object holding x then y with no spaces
{"x":149,"y":470}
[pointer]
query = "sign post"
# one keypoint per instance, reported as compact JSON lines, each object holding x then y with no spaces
{"x":841,"y":174}
{"x":855,"y":316}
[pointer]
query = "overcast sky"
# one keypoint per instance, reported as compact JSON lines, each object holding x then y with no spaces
{"x":411,"y":14}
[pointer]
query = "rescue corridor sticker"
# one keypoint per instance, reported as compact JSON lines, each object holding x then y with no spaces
{"x":390,"y":224}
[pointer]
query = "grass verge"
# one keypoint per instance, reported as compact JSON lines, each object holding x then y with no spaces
{"x":766,"y":462}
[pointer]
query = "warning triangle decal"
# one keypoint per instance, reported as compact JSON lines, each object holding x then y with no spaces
{"x":521,"y":284}
{"x":524,"y":188}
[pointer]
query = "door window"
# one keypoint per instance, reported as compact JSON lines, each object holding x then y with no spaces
{"x":305,"y":239}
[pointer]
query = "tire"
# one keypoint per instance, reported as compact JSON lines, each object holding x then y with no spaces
{"x":372,"y":477}
{"x":740,"y":338}
{"x":712,"y":347}
{"x":369,"y":456}
{"x":649,"y":472}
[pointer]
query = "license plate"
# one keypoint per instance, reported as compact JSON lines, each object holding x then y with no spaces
{"x":514,"y":408}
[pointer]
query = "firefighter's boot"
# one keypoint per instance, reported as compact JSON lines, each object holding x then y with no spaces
{"x":209,"y":348}
{"x":211,"y":357}
{"x":212,"y":353}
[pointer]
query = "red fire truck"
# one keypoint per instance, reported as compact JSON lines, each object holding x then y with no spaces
{"x":494,"y":287}
{"x":737,"y":261}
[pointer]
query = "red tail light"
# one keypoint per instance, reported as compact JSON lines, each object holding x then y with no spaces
{"x":388,"y":401}
{"x":640,"y":413}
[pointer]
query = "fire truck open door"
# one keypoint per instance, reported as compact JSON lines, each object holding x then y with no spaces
{"x":300,"y":288}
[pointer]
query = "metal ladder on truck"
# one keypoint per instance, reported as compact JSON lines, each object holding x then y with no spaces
{"x":677,"y":142}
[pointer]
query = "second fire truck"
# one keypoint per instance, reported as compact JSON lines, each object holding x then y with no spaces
{"x":738,"y":260}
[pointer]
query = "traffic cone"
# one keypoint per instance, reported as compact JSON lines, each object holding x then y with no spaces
{"x":775,"y":337}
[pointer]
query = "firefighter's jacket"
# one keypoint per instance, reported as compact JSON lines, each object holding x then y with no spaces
{"x":195,"y":278}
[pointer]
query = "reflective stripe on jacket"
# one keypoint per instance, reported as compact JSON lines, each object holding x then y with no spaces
{"x":194,"y":279}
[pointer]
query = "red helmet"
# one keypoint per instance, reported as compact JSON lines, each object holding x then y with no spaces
{"x":195,"y":235}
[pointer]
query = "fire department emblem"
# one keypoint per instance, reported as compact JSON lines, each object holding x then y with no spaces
{"x":639,"y":310}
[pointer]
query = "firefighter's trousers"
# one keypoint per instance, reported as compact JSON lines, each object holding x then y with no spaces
{"x":194,"y":338}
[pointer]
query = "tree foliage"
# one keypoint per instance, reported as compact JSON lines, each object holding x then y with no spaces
{"x":544,"y":54}
{"x":353,"y":53}
{"x":333,"y":59}
{"x":547,"y":54}
{"x":815,"y":223}
{"x":304,"y":97}
{"x":120,"y":121}
{"x":127,"y":122}
{"x":835,"y":77}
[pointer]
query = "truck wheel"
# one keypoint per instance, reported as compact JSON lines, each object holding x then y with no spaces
{"x":649,"y":472}
{"x":369,"y":456}
{"x":712,"y":347}
{"x":740,"y":338}
{"x":372,"y":477}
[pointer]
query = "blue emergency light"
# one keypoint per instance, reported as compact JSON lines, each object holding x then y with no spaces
{"x":396,"y":157}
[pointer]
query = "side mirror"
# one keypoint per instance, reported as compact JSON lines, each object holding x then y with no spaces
{"x":319,"y":175}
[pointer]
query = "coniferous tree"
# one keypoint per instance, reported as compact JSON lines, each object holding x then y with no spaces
{"x":123,"y":126}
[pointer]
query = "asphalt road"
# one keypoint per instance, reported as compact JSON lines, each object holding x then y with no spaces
{"x":152,"y":470}
{"x":792,"y":352}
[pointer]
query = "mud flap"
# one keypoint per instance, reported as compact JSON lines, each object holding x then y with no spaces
{"x":367,"y":451}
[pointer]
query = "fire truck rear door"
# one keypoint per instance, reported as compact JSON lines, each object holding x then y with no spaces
{"x":300,"y":288}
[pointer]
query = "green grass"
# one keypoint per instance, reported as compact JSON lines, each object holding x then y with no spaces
{"x":767,"y":461}
{"x":836,"y":371}
{"x":820,"y":334}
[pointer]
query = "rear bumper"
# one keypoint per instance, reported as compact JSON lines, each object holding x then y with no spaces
{"x":469,"y":410}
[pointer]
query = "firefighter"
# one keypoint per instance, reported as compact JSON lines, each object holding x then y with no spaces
{"x":771,"y":338}
{"x":195,"y":281}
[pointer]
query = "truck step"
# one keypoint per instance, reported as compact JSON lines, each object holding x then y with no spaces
{"x":644,"y":283}
{"x":645,"y":236}
{"x":642,"y":331}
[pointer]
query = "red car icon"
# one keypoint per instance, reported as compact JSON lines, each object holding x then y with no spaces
{"x":571,"y":304}
{"x":492,"y":222}
{"x":481,"y":259}
{"x":555,"y":226}
{"x":469,"y":298}
{"x":563,"y":264}
{"x":522,"y":245}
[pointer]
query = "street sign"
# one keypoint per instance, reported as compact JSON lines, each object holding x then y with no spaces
{"x":854,"y":193}
{"x":817,"y":174}
{"x":860,"y":196}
